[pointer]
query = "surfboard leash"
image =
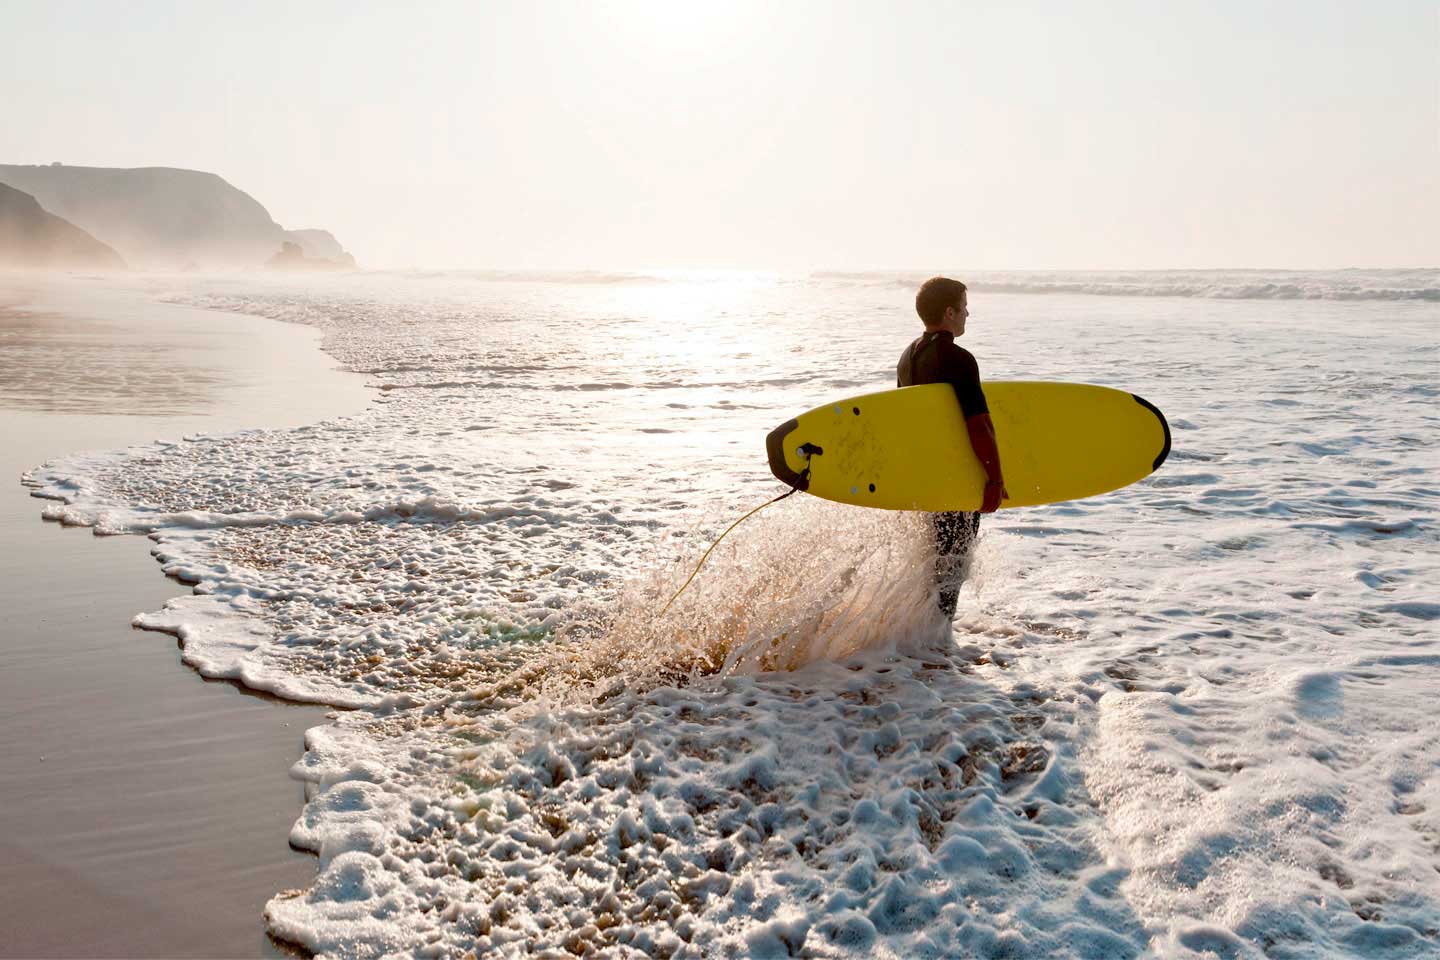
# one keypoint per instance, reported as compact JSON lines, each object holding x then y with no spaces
{"x":706,"y":555}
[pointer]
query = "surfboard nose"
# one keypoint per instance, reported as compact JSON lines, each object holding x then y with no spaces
{"x":775,"y":450}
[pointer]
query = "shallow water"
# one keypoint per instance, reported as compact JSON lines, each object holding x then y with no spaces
{"x":1189,"y":716}
{"x":126,"y":786}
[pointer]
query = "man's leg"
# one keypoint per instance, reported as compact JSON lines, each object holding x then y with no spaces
{"x":954,"y":537}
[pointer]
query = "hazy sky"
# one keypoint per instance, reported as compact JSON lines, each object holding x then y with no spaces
{"x":786,"y":135}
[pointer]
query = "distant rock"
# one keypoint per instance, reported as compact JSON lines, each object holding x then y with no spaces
{"x":320,"y":245}
{"x":292,"y":256}
{"x":32,"y":237}
{"x":159,"y":217}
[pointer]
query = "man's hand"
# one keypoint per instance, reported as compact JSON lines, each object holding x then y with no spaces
{"x":994,"y":492}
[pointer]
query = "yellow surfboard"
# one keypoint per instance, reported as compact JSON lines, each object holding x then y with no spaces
{"x":908,"y":449}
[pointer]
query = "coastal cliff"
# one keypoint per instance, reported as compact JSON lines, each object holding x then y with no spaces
{"x":165,"y":217}
{"x":30,"y":236}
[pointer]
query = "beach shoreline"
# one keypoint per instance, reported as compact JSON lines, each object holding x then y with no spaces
{"x":147,"y":809}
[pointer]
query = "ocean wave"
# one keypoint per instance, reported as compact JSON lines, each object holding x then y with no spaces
{"x":1342,"y":285}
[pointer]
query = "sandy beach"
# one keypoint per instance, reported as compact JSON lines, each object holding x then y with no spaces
{"x":143,"y":810}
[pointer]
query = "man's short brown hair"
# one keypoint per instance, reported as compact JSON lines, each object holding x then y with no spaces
{"x":935,"y":295}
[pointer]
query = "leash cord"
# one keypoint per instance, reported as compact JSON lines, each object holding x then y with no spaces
{"x":706,"y":555}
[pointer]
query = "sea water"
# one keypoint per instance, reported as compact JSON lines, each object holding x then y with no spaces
{"x":1192,"y":717}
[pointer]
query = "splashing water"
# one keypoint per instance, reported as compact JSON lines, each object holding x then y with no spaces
{"x":775,"y":595}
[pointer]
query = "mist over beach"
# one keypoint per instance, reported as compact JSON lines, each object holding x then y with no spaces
{"x":431,"y":366}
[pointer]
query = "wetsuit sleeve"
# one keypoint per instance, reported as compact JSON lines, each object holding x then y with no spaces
{"x":962,"y":373}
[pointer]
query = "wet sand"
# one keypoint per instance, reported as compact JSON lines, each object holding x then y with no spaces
{"x":143,"y":810}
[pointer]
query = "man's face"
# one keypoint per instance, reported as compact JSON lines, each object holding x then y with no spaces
{"x":955,"y":316}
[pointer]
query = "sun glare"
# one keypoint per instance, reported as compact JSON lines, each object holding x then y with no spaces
{"x":676,"y":29}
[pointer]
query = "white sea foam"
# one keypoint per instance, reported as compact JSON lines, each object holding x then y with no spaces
{"x":1189,"y":718}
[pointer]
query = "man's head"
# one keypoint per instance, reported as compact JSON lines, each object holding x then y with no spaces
{"x":942,"y":305}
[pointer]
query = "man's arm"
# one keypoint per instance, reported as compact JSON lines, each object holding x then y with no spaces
{"x":982,"y":439}
{"x":966,"y":381}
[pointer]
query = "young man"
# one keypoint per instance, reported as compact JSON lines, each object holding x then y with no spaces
{"x":935,"y":358}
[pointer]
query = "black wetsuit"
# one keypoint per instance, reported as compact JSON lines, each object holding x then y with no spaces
{"x":934,"y":358}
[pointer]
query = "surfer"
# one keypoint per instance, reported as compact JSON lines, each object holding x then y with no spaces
{"x":934,"y":357}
